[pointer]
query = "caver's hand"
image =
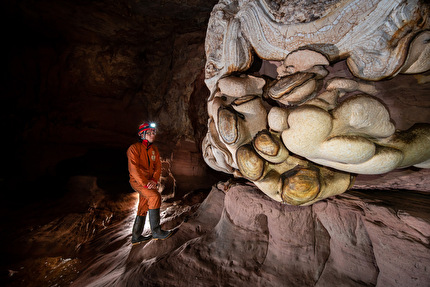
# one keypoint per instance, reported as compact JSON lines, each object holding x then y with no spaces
{"x":151,"y":185}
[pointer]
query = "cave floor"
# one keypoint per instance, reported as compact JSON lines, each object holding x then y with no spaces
{"x":51,"y":243}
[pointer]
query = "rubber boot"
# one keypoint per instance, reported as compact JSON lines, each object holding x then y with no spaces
{"x":154,"y":220}
{"x":136,"y":235}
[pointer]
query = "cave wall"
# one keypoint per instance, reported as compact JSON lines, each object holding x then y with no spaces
{"x":83,"y":75}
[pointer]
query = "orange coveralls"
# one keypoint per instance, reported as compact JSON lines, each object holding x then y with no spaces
{"x":144,"y":165}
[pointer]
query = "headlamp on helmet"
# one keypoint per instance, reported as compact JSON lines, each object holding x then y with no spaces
{"x":143,"y":128}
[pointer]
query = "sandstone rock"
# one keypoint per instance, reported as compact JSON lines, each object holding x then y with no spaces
{"x":243,"y":238}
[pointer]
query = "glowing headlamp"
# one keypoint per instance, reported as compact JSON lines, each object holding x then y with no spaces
{"x":145,"y":127}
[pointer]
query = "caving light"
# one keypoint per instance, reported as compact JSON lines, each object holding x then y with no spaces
{"x":146,"y":126}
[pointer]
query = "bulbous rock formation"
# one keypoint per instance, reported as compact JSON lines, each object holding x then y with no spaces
{"x":299,"y":137}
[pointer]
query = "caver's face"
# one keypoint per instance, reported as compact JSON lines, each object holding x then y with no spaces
{"x":150,"y":135}
{"x":293,"y":136}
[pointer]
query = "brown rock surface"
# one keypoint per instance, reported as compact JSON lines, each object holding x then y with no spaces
{"x":242,"y":237}
{"x":85,"y":74}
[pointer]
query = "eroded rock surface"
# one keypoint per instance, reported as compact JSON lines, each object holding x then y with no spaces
{"x":300,"y":136}
{"x":242,"y":237}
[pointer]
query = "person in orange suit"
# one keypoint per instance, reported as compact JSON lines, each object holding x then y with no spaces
{"x":144,"y":166}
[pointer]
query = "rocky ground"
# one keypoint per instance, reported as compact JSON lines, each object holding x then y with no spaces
{"x":232,"y":235}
